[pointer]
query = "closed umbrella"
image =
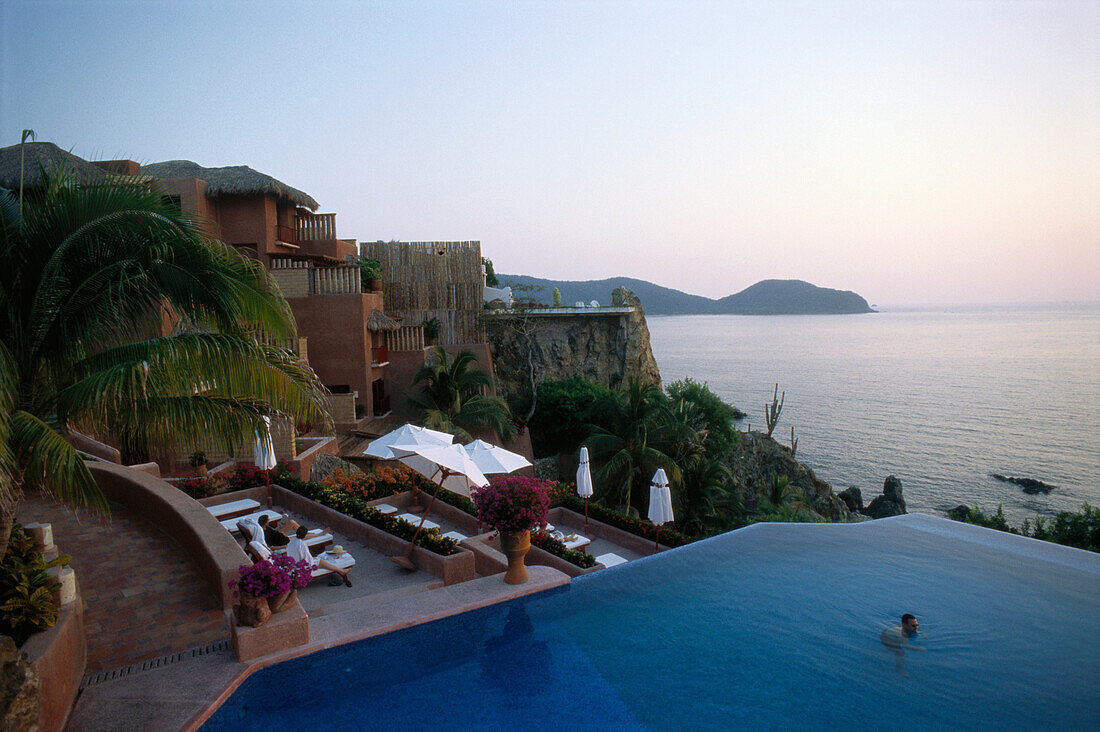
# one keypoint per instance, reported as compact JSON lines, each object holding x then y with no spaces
{"x":264,"y":454}
{"x":491,"y":459}
{"x":660,"y":503}
{"x":584,"y":483}
{"x":448,"y":466}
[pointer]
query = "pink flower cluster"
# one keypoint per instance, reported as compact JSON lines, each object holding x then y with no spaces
{"x":512,"y":503}
{"x":271,"y":577}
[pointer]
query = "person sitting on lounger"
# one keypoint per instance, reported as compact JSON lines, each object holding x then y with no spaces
{"x":274,"y":537}
{"x":251,"y":530}
{"x":896,"y":639}
{"x":297,"y":549}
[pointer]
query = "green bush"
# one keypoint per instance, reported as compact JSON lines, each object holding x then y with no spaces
{"x":1080,"y":529}
{"x":559,"y":421}
{"x":26,"y":589}
{"x":356,"y":507}
{"x":722,"y":436}
{"x":577,"y":557}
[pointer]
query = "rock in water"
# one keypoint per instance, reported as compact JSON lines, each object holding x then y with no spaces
{"x":1030,"y":485}
{"x":853,"y":499}
{"x":890,"y":503}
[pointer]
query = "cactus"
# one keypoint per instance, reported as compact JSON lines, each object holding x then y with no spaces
{"x":557,"y":297}
{"x":773,"y":410}
{"x":794,"y":443}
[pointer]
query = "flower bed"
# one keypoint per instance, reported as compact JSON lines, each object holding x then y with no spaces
{"x":356,"y":507}
{"x":636,"y":526}
{"x":547,"y":543}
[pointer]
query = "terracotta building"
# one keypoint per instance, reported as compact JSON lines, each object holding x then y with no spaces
{"x":341,"y":327}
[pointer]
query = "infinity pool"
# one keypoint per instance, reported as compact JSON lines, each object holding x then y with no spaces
{"x":772,"y":626}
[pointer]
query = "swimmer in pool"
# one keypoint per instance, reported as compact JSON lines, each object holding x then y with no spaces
{"x":896,"y":639}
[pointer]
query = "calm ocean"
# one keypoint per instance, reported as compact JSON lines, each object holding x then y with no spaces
{"x":940,"y":398}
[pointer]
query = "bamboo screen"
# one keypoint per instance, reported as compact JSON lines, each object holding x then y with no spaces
{"x":422,"y":280}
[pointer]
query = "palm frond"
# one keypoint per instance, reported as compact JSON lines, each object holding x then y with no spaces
{"x":51,"y":464}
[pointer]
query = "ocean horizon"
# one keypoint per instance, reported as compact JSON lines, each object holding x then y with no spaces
{"x":941,"y":397}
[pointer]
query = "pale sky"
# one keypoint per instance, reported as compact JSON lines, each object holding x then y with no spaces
{"x":916,"y":152}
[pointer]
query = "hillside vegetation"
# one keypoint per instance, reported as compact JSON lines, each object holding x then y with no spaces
{"x":768,"y":297}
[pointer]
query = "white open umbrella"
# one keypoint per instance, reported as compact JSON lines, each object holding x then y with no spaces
{"x":660,"y":502}
{"x":490,"y":458}
{"x":406,"y":434}
{"x":264,"y":453}
{"x":448,"y":466}
{"x":584,"y":483}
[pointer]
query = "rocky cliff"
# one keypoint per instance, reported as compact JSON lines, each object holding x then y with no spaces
{"x":605,"y":345}
{"x":758,"y":457}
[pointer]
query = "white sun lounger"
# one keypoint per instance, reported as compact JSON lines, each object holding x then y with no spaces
{"x":343,"y":561}
{"x":386,"y":508}
{"x":610,"y":559}
{"x":231,"y":524}
{"x":315,"y":540}
{"x":454,"y":535}
{"x":413,"y":519}
{"x":233,"y":508}
{"x":580,"y":541}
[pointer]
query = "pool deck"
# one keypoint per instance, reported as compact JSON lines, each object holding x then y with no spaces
{"x":184,"y":694}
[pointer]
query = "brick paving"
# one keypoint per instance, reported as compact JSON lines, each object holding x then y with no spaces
{"x":142,"y":596}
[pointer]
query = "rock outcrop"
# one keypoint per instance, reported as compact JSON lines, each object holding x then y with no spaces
{"x":1030,"y":485}
{"x":758,"y":457}
{"x":600,"y":345}
{"x":325,"y":465}
{"x":890,"y":503}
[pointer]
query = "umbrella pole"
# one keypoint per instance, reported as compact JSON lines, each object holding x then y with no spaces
{"x":657,"y":539}
{"x":403,"y":560}
{"x":586,"y":515}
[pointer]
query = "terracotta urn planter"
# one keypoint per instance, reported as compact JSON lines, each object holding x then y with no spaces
{"x":282,"y":601}
{"x":515,"y":544}
{"x":252,"y":611}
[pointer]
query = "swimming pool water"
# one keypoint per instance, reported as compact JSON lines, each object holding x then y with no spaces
{"x":773,"y":626}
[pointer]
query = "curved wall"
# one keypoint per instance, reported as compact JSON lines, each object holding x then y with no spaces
{"x":212,"y":549}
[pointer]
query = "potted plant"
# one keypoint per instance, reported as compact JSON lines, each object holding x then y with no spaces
{"x":197,"y":461}
{"x":370,"y":272}
{"x":268,"y":586}
{"x":513,"y":506}
{"x":432,"y":328}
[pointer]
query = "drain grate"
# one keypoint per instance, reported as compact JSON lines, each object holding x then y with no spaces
{"x":153,"y":663}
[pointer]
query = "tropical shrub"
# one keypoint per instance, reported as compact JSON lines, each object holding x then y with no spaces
{"x":559,"y":422}
{"x":271,"y":577}
{"x":717,"y":416}
{"x":1080,"y":529}
{"x":512,"y":503}
{"x":26,"y":588}
{"x":199,"y":488}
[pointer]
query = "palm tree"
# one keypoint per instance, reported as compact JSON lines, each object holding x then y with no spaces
{"x":451,"y":398}
{"x":630,"y":432}
{"x":84,"y":272}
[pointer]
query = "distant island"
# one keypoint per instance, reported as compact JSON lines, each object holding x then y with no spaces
{"x":767,"y":297}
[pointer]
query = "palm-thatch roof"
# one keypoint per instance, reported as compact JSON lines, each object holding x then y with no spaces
{"x":377,"y":320}
{"x":232,"y":180}
{"x":39,"y":156}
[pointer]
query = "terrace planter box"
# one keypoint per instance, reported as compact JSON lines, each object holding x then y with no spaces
{"x":599,"y":530}
{"x":466,"y":523}
{"x":458,"y":567}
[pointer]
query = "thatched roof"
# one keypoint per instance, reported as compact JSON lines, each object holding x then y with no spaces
{"x":232,"y":180}
{"x":39,"y":156}
{"x":377,"y":320}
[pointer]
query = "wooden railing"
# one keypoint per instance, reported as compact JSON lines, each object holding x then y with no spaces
{"x":406,"y":338}
{"x":337,"y":280}
{"x":316,"y":227}
{"x":286,"y":234}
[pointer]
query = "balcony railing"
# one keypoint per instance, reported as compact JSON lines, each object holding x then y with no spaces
{"x":286,"y":234}
{"x":316,"y":227}
{"x":379,"y":355}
